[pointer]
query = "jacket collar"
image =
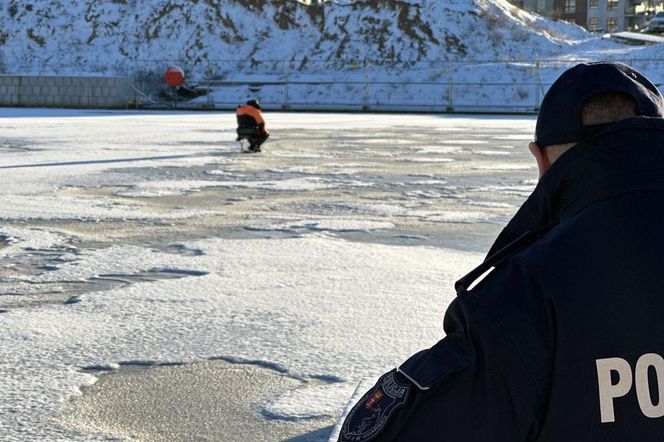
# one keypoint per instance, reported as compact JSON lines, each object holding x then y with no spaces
{"x":628,"y":156}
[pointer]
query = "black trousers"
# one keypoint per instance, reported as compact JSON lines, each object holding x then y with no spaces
{"x":260,"y":139}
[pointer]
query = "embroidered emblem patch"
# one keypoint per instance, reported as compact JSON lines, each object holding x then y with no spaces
{"x":372,"y":413}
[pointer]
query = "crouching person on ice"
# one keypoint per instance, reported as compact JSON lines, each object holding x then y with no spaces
{"x":563,"y":339}
{"x":251,"y":125}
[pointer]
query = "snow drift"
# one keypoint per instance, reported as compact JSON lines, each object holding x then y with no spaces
{"x":119,"y":36}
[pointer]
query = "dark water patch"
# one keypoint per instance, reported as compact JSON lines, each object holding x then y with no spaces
{"x":170,"y":364}
{"x":290,"y":230}
{"x":56,"y":251}
{"x":331,"y":379}
{"x":99,"y":368}
{"x":177,"y":272}
{"x":411,"y":237}
{"x":47,"y":268}
{"x":267,"y":414}
{"x":117,"y":279}
{"x":73,"y":300}
{"x":138,"y":363}
{"x":147,"y":363}
{"x":151,"y":275}
{"x":132,"y":364}
{"x":181,"y":249}
{"x":267,"y":232}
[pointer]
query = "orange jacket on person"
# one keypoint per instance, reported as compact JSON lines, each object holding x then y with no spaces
{"x":249,"y":112}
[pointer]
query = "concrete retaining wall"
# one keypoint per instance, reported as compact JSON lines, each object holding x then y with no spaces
{"x":75,"y":92}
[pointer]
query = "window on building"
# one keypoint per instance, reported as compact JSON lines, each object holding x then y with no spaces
{"x":593,"y":24}
{"x":570,"y":6}
{"x":541,"y":5}
{"x":612,"y":5}
{"x":593,"y":3}
{"x":612,"y":24}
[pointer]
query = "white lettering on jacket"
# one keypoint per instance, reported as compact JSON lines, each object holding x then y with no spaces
{"x":609,"y":391}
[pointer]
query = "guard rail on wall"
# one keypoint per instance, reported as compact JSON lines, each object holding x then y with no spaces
{"x":379,"y":85}
{"x":374,"y":85}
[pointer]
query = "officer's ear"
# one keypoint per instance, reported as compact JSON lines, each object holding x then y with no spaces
{"x":541,"y":156}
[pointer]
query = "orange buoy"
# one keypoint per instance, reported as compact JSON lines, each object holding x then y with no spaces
{"x":174,"y":76}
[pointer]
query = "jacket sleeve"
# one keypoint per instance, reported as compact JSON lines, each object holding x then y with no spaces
{"x":477,"y":384}
{"x":258,"y":116}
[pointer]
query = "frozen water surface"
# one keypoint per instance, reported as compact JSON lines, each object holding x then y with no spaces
{"x":331,"y":256}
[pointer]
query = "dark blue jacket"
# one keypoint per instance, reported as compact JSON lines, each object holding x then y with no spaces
{"x":563,"y":340}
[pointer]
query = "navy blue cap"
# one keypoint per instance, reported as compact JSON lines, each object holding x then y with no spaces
{"x":559,"y":119}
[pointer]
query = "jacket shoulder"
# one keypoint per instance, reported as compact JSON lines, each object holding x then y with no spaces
{"x":495,"y":260}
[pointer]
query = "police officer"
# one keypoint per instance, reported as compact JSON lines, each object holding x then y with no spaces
{"x":563,"y":340}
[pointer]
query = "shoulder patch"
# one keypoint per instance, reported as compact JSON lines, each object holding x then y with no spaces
{"x":372,"y":413}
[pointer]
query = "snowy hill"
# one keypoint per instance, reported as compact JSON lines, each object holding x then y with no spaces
{"x":113,"y":35}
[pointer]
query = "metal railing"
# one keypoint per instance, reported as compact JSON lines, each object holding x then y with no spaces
{"x":436,"y":86}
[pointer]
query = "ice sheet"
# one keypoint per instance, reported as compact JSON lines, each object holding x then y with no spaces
{"x":317,"y":284}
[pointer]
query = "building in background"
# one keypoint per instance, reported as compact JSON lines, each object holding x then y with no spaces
{"x":597,"y":15}
{"x":573,"y":11}
{"x":542,"y":7}
{"x":618,"y":15}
